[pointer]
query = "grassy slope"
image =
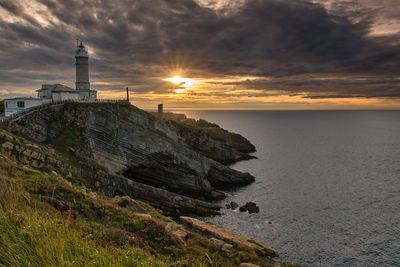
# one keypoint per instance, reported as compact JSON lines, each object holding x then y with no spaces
{"x":33,"y":232}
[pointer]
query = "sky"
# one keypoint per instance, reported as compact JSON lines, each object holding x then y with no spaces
{"x":209,"y":54}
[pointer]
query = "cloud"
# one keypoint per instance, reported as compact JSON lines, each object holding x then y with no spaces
{"x":137,"y":43}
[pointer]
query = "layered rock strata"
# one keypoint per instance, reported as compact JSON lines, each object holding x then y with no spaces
{"x":128,"y":142}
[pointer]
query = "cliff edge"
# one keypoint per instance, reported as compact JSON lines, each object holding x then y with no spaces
{"x":136,"y":154}
{"x":73,"y":178}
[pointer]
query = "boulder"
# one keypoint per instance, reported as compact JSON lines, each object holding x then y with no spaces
{"x":243,"y":208}
{"x":228,"y":250}
{"x":246,"y":264}
{"x":234,"y":205}
{"x":216,"y":242}
{"x":228,"y":236}
{"x":252,"y":207}
{"x":177,"y":231}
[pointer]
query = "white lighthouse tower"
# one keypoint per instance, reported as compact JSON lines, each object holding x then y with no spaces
{"x":82,"y":84}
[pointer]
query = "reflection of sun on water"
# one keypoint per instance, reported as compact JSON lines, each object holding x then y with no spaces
{"x":183,"y":83}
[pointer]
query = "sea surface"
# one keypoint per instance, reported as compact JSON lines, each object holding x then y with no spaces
{"x":327,"y":184}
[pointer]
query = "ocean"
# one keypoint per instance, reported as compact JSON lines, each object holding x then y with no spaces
{"x":327,"y":184}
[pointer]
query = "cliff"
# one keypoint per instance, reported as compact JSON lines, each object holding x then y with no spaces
{"x":69,"y":194}
{"x":47,"y":221}
{"x":132,"y":152}
{"x":209,"y":139}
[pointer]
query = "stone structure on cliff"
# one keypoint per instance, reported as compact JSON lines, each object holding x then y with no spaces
{"x":50,"y":93}
{"x":160,"y":110}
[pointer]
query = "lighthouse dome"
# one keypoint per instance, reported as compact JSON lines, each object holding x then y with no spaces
{"x":81,"y":51}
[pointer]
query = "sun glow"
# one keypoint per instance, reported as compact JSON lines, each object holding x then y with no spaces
{"x":182,"y":83}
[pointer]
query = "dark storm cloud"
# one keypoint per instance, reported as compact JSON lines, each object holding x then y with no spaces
{"x":138,"y":42}
{"x":317,"y":88}
{"x":17,"y":10}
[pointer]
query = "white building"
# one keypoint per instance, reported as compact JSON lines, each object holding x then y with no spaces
{"x":20,"y":104}
{"x":56,"y":93}
{"x":52,"y":93}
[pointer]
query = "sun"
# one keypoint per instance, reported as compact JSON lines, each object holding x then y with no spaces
{"x":184,"y":83}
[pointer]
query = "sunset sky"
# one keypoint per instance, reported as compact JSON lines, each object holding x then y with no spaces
{"x":209,"y":54}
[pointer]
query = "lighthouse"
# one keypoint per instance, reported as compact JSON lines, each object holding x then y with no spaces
{"x":82,"y":68}
{"x":82,"y":84}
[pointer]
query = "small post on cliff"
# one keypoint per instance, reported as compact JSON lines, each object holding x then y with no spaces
{"x":127,"y":94}
{"x":160,"y":111}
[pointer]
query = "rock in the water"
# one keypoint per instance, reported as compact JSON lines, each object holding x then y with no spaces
{"x":252,"y":207}
{"x":243,"y":208}
{"x":228,"y":206}
{"x":234,"y":205}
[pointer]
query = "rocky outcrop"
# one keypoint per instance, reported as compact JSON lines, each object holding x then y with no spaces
{"x":234,"y":205}
{"x":149,"y":151}
{"x":170,"y":203}
{"x":251,"y":207}
{"x":27,"y":153}
{"x":177,"y":231}
{"x":217,"y":231}
{"x":40,"y":157}
{"x":211,"y":140}
{"x":246,"y":264}
{"x":140,"y":152}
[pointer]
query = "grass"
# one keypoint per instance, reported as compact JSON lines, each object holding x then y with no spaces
{"x":37,"y":230}
{"x":34,"y":233}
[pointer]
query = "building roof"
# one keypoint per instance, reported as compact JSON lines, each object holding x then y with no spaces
{"x":85,"y":90}
{"x":45,"y":87}
{"x":62,"y":88}
{"x":56,"y":88}
{"x":21,"y":98}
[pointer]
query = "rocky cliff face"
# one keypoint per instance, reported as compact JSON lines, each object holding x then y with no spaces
{"x":130,"y":143}
{"x":212,"y":141}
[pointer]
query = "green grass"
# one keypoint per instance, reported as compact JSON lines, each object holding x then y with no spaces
{"x":34,"y":234}
{"x":35,"y":231}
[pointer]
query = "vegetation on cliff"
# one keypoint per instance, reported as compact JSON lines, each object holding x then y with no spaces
{"x":60,"y":206}
{"x":47,"y":221}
